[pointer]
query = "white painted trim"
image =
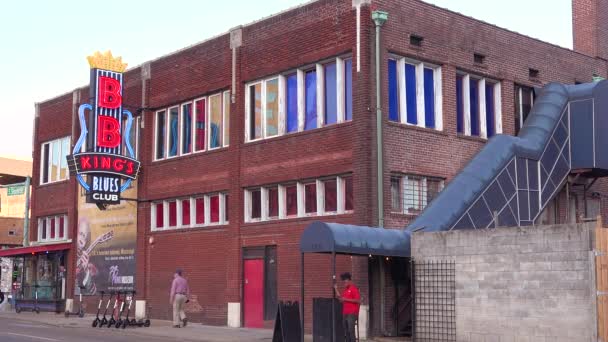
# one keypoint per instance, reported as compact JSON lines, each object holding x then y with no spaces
{"x":498,"y":108}
{"x":320,"y":197}
{"x":263,"y":111}
{"x":466,"y":103}
{"x":438,"y":77}
{"x":165,"y":214}
{"x":483,"y":125}
{"x":282,"y":106}
{"x":193,"y":212}
{"x":178,"y":213}
{"x":320,"y":95}
{"x":301,"y":100}
{"x":282,"y":202}
{"x":222,"y":208}
{"x":341,"y":195}
{"x":340,"y":91}
{"x":402,"y":91}
{"x":207,"y":210}
{"x":521,"y":107}
{"x":420,"y":95}
{"x":225,"y":114}
{"x":301,"y":203}
{"x":264,"y":205}
{"x":247,"y":206}
{"x":247,"y":111}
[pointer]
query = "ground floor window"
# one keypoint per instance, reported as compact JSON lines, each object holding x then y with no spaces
{"x":410,"y":194}
{"x":42,"y":273}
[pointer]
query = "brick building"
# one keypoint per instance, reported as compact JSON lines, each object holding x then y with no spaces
{"x":248,"y":137}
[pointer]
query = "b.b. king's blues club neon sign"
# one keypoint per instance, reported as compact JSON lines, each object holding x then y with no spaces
{"x":97,"y":161}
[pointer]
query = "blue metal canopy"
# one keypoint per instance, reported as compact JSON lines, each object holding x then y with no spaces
{"x":321,"y":237}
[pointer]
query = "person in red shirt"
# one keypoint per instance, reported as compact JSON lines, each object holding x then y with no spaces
{"x":351,"y":299}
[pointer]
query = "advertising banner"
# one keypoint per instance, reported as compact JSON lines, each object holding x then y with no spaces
{"x":106,"y":243}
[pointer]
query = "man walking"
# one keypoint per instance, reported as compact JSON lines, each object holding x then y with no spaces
{"x":179,"y":296}
{"x":351,"y":299}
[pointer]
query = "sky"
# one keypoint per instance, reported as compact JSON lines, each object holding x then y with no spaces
{"x":44,"y":43}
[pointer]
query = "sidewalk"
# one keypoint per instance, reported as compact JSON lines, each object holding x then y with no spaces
{"x":159,"y":328}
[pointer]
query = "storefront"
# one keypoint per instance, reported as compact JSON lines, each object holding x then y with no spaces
{"x":38,"y":277}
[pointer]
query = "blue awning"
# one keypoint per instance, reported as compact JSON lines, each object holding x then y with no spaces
{"x":321,"y":237}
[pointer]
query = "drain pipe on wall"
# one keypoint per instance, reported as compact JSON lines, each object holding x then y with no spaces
{"x":379,"y":19}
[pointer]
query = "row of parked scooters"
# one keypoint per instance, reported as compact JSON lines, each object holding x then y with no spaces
{"x":118,"y":321}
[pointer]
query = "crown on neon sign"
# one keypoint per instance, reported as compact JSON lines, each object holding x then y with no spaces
{"x":106,"y":61}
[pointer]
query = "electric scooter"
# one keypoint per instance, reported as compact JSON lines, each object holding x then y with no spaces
{"x":112,"y":319}
{"x":133,"y":321}
{"x":36,"y":308}
{"x":119,"y":321}
{"x":97,"y":320}
{"x":80,"y":312}
{"x":104,"y":320}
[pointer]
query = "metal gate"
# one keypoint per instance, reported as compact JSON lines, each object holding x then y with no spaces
{"x":434,"y":301}
{"x":601,"y":274}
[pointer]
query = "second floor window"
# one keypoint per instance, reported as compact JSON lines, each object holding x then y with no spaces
{"x":410,"y":194}
{"x":524,"y":100}
{"x":415,"y":95}
{"x":52,"y":228}
{"x":324,"y":196}
{"x":478,"y":106}
{"x":53,"y":162}
{"x":195,"y":126}
{"x":301,"y":100}
{"x":190,"y":212}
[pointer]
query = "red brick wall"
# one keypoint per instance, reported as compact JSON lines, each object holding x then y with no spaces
{"x":212,"y":257}
{"x":590,"y":27}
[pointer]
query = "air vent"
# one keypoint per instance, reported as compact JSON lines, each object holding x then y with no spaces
{"x":479,"y":58}
{"x":416,"y":40}
{"x":533,"y":73}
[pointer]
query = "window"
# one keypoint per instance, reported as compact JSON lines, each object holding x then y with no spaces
{"x":291,"y":196}
{"x":415,"y":93}
{"x":52,"y":228}
{"x":12,"y":233}
{"x":524,"y":100}
{"x":189,"y":212}
{"x":329,"y":195}
{"x":478,"y":106}
{"x":411,"y":194}
{"x":181,"y":130}
{"x":310,"y":198}
{"x":133,"y":137}
{"x":302,"y":100}
{"x":53,"y":165}
{"x":273,"y":202}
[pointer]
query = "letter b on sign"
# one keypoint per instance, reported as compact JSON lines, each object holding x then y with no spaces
{"x":108,"y":93}
{"x":108,"y":132}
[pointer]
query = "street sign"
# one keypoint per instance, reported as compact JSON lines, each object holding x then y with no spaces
{"x":16,"y":190}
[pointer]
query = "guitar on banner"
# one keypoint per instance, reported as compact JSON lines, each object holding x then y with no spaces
{"x":85,"y":270}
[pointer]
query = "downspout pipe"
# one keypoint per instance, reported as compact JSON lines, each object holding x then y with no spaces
{"x":26,"y":218}
{"x":379,"y":19}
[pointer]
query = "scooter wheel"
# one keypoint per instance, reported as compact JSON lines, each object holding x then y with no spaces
{"x":118,"y":324}
{"x":133,"y":321}
{"x":37,"y":310}
{"x":95,"y":322}
{"x":147,"y":323}
{"x":124,"y":324}
{"x":81,"y":314}
{"x":17,"y":309}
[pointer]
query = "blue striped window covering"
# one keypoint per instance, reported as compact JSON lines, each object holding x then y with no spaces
{"x":393,"y":91}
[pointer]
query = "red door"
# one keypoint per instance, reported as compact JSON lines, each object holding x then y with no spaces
{"x":254,"y":293}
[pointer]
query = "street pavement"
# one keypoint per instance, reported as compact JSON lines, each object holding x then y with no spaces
{"x":49,"y":327}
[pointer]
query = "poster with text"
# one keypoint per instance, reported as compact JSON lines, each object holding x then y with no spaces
{"x":106,"y":242}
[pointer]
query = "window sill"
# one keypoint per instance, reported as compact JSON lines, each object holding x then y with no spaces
{"x":417,"y":128}
{"x":298,"y":134}
{"x":402,"y":214}
{"x":189,"y":155}
{"x":54,"y":183}
{"x":211,"y":227}
{"x":297,"y":218}
{"x":51,"y":242}
{"x":471,"y":138}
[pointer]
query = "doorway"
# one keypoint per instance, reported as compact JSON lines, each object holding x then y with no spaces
{"x":259,"y":285}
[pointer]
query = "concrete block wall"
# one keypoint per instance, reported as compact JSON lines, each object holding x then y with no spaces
{"x":519,"y":284}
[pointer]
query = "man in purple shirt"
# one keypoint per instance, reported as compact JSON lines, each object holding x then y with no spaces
{"x":179,"y":295}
